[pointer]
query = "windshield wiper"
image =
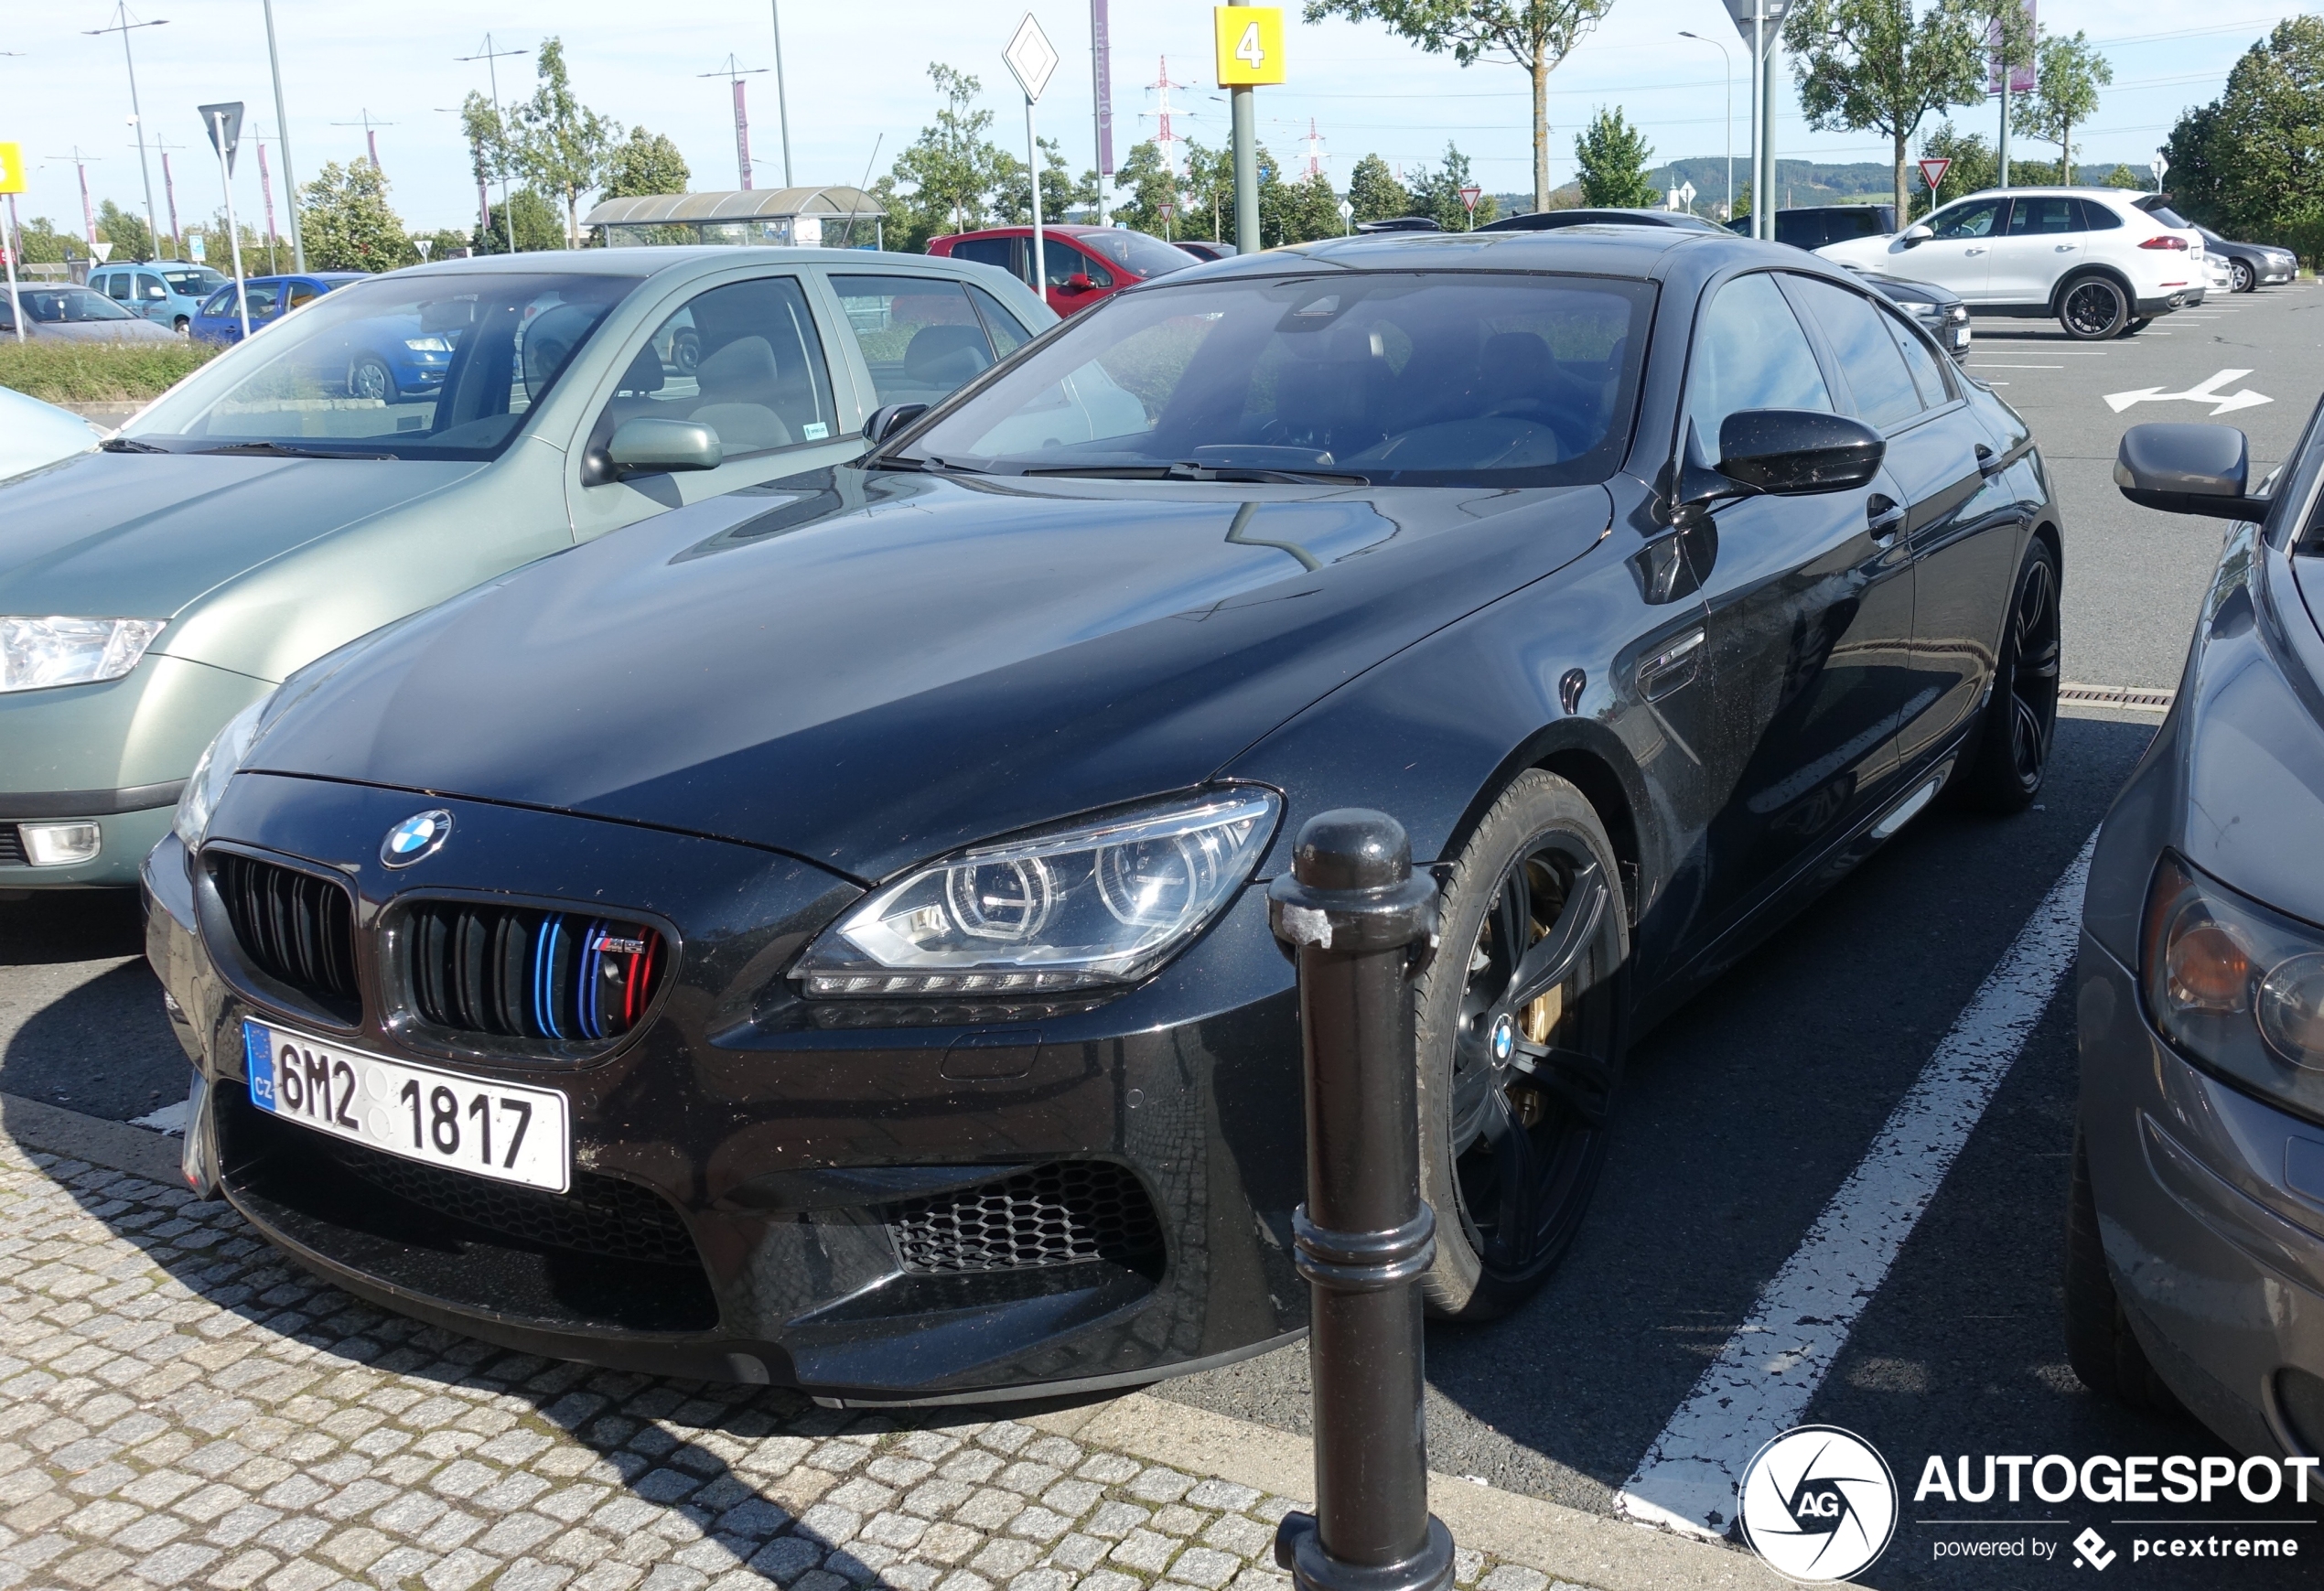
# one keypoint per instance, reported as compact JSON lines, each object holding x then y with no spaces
{"x":1235,"y":474}
{"x":279,"y":450}
{"x":930,"y":466}
{"x":128,"y":444}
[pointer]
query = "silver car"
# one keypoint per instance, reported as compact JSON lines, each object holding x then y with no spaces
{"x":269,"y":508}
{"x":66,"y":313}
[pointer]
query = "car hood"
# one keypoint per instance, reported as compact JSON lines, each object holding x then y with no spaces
{"x":868,"y":669}
{"x":144,"y":534}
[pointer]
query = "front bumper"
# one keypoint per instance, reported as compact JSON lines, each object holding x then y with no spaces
{"x":124,"y":839}
{"x":785,"y":1137}
{"x":2219,"y":1261}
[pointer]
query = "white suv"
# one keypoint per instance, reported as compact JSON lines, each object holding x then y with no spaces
{"x":2088,"y":255}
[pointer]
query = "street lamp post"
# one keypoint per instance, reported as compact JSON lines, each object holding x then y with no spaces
{"x":281,"y":136}
{"x":782,"y":100}
{"x":490,"y":57}
{"x":123,"y":27}
{"x":1726,"y":55}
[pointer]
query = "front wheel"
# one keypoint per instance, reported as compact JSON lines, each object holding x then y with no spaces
{"x":2010,"y":751}
{"x":2093,"y":308}
{"x":183,"y":327}
{"x":2246,"y":279}
{"x":1521,"y":1045}
{"x":369,"y":377}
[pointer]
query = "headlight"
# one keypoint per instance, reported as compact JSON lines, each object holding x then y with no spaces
{"x":427,"y":345}
{"x":1102,"y":903}
{"x":2239,"y":988}
{"x":36,"y":654}
{"x":218,"y":764}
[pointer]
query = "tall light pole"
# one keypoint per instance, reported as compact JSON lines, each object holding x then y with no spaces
{"x":1729,"y":59}
{"x":282,"y":135}
{"x":123,"y":27}
{"x":782,"y":100}
{"x":489,"y":56}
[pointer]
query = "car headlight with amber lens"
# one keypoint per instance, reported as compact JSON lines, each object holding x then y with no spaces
{"x":1100,"y":904}
{"x":2236,"y":987}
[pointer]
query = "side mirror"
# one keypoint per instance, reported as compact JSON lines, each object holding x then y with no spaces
{"x":651,"y":447}
{"x":889,"y":418}
{"x":1079,"y":282}
{"x":1798,"y":452}
{"x":1916,"y":234}
{"x":2188,"y":469}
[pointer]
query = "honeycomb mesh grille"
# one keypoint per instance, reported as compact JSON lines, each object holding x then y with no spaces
{"x":1052,"y":1215}
{"x":603,"y":1216}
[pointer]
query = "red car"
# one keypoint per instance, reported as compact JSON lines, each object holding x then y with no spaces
{"x":1085,"y":263}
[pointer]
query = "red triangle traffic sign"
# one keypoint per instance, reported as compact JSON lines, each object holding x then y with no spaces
{"x":1932,"y":172}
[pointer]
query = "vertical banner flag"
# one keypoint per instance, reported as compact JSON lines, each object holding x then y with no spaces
{"x":1101,"y":68}
{"x":2022,"y":77}
{"x":742,"y":134}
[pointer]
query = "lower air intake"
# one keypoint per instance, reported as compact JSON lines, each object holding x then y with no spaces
{"x":1053,"y":1215}
{"x":523,"y":972}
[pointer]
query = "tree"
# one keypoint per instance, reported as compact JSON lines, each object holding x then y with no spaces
{"x":951,"y":166}
{"x":1436,"y":194}
{"x":1975,"y":166}
{"x":1142,"y":186}
{"x":1375,"y":193}
{"x":125,"y":232}
{"x":2065,"y":96}
{"x":534,"y":216}
{"x":2251,"y":162}
{"x":562,"y":145}
{"x":2123,"y":176}
{"x":644,"y":163}
{"x":1535,"y":34}
{"x":1871,"y":66}
{"x":42,"y":244}
{"x":344,"y":216}
{"x":1059,"y":192}
{"x":1209,"y":190}
{"x":443,"y":243}
{"x":1612,"y":156}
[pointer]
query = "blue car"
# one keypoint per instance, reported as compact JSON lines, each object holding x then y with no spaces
{"x":386,"y":358}
{"x":167,"y":291}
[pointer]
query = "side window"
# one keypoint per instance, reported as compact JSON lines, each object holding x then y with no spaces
{"x":743,"y":359}
{"x":219,"y":303}
{"x":2046,"y":216}
{"x":262,"y":297}
{"x":1750,"y":353}
{"x":2096,"y":217}
{"x":117,"y":285}
{"x":1967,"y":221}
{"x":999,"y":324}
{"x":1001,"y":251}
{"x":1064,"y":259}
{"x":1928,"y":373}
{"x":303,"y":293}
{"x":150,"y":287}
{"x":1869,"y":360}
{"x":919,"y":334}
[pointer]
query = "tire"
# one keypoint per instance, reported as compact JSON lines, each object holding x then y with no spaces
{"x":369,"y":377}
{"x":2093,"y":308}
{"x":2246,"y":280}
{"x":2009,"y":749}
{"x":1511,"y":1147}
{"x":2099,"y":1345}
{"x":2136,"y":327}
{"x":183,"y":327}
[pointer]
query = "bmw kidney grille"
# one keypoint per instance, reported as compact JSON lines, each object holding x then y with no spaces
{"x":523,"y":972}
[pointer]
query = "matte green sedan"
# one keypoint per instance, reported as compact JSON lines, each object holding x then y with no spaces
{"x":274,"y":505}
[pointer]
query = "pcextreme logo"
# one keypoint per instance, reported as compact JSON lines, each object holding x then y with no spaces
{"x":1818,"y":1504}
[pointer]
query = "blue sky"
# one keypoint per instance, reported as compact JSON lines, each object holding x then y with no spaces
{"x":857,"y":72}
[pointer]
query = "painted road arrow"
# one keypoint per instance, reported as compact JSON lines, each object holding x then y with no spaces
{"x":2209,"y":393}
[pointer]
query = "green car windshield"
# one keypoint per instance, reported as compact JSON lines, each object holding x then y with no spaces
{"x":415,"y":366}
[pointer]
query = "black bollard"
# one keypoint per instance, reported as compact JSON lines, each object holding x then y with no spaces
{"x":1360,"y":924}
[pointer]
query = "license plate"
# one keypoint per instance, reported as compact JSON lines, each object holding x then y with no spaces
{"x":502,"y":1130}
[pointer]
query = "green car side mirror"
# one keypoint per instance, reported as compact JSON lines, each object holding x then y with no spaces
{"x":651,"y":446}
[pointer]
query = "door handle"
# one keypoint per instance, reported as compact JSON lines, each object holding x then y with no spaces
{"x":1885,"y":518}
{"x":1973,"y":251}
{"x":2065,"y":248}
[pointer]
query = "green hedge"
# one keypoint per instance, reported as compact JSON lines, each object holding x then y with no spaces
{"x":64,"y":372}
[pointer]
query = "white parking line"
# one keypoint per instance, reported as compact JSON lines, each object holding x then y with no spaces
{"x":1763,"y":1379}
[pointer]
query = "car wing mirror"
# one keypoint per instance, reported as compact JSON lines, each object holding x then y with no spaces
{"x":646,"y":445}
{"x":888,"y":419}
{"x":1916,"y":234}
{"x":1079,"y":282}
{"x":2185,"y":468}
{"x":1798,"y":452}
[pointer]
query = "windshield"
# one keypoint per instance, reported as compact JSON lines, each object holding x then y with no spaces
{"x":190,"y":283}
{"x":1394,"y":379}
{"x":1135,"y":252}
{"x":412,"y":367}
{"x":61,"y":306}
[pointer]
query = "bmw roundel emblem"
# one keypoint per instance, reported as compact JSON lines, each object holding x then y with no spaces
{"x":415,"y":839}
{"x":1504,"y":1037}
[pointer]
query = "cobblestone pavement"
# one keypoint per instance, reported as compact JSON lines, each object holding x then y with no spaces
{"x":181,"y":1405}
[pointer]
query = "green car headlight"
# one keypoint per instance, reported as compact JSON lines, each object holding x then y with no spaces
{"x":1102,"y":903}
{"x":219,"y":763}
{"x":37,"y":653}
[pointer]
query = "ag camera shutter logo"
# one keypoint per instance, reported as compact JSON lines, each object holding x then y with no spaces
{"x":1818,"y":1504}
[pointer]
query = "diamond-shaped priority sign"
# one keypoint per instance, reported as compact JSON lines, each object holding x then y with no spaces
{"x":1031,"y":57}
{"x":1932,"y":171}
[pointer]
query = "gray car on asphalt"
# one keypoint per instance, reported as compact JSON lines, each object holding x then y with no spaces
{"x":262,"y":512}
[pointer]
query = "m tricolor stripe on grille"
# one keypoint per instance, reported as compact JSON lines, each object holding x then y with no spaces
{"x":522,"y":972}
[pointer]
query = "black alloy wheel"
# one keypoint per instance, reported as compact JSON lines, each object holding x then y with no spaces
{"x":2246,"y":280}
{"x":2093,"y":308}
{"x":1521,"y":1042}
{"x":2137,"y":325}
{"x":2010,"y":751}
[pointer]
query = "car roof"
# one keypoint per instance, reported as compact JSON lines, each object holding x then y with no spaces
{"x":647,"y":260}
{"x":1603,"y":249}
{"x":1076,"y":229}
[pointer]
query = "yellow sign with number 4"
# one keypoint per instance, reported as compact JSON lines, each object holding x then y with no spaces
{"x":1249,"y":40}
{"x":11,"y":168}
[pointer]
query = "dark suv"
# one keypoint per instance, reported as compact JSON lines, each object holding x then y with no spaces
{"x":1813,"y":226}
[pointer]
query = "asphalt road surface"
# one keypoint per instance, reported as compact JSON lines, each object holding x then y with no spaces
{"x":1744,"y":1115}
